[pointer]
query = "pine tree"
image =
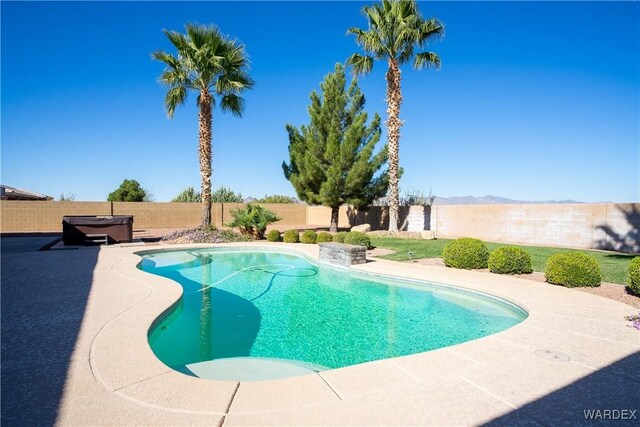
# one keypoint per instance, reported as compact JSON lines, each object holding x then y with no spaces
{"x":332,"y":158}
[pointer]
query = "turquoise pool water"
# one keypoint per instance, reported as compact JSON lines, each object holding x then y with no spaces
{"x":240,"y":303}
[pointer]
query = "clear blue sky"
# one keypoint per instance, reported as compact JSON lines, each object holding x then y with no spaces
{"x":534,"y":101}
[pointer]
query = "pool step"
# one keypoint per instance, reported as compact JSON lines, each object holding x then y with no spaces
{"x":96,"y":239}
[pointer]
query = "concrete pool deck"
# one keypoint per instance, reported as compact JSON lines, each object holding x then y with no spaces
{"x":75,"y":352}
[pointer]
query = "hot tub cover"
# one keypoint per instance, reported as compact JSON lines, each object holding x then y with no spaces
{"x":98,"y":220}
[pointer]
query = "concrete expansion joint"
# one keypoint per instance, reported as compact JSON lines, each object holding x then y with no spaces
{"x":471,"y":359}
{"x":168,"y":371}
{"x":330,"y":386}
{"x":226,"y":411}
{"x":406,"y":371}
{"x":485,"y":391}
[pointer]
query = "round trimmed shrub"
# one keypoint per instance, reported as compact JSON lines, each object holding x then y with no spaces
{"x":634,"y":276}
{"x":291,"y":236}
{"x":510,"y":260}
{"x":273,"y":236}
{"x":573,"y":269}
{"x":339,"y":237}
{"x":466,"y":253}
{"x":324,"y":237}
{"x":309,"y":236}
{"x":357,"y":238}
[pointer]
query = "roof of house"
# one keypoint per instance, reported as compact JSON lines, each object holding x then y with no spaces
{"x":13,"y":193}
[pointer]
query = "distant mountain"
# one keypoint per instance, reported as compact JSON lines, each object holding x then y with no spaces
{"x":491,"y":200}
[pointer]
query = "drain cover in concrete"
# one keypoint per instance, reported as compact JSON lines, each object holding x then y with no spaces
{"x":553,"y":355}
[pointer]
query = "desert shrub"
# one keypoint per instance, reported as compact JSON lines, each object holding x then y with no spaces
{"x":466,"y":253}
{"x":573,"y":269}
{"x":634,"y":276}
{"x":252,"y":220}
{"x":204,"y":235}
{"x":357,"y":238}
{"x":324,"y":237}
{"x":291,"y":236}
{"x":510,"y":260}
{"x":309,"y":236}
{"x":339,"y":237}
{"x":273,"y":236}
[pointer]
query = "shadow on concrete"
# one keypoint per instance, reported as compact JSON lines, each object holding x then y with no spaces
{"x":614,"y":387}
{"x":27,"y":242}
{"x":628,"y":242}
{"x":44,"y":298}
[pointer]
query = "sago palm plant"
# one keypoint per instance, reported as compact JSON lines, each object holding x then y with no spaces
{"x":213,"y":65}
{"x":396,"y":30}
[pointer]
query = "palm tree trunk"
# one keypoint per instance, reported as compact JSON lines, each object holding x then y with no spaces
{"x":394,"y":99}
{"x":335,"y":210}
{"x":204,"y":151}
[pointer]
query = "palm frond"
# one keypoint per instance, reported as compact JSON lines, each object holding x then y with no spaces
{"x":175,"y":97}
{"x":178,"y":40}
{"x":426,"y":60}
{"x":430,"y":30}
{"x":232,"y":103}
{"x":361,"y":64}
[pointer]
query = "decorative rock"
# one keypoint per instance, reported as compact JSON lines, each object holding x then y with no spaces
{"x":428,"y":235}
{"x":342,"y":254}
{"x":363,"y":228}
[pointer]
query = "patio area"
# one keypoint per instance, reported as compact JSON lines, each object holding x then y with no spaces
{"x":75,"y":352}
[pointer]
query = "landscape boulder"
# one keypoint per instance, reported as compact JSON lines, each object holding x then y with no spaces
{"x":428,"y":235}
{"x":363,"y":228}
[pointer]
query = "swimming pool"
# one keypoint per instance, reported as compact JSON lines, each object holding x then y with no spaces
{"x":275,"y":314}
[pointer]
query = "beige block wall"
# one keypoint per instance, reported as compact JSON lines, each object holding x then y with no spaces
{"x":160,"y":215}
{"x":33,"y":216}
{"x":597,"y":225}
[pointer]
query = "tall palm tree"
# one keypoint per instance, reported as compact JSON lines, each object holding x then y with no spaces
{"x":212,"y":65}
{"x":396,"y":29}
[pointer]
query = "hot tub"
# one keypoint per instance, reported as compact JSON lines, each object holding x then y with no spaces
{"x":78,"y":230}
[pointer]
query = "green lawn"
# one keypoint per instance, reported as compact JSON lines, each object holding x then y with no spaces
{"x":614,"y":265}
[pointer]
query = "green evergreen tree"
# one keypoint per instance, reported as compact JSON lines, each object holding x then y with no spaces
{"x":129,"y":191}
{"x":332,"y":159}
{"x":226,"y":195}
{"x":188,"y":195}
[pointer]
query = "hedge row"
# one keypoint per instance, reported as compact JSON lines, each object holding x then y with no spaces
{"x":570,"y":269}
{"x":310,"y":237}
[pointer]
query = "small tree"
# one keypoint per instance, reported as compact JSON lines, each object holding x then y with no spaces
{"x":226,"y":195}
{"x":67,"y":197}
{"x":129,"y":191}
{"x":332,"y":158}
{"x":188,"y":195}
{"x":252,"y":220}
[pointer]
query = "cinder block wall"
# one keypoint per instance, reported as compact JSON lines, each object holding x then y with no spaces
{"x":32,"y":216}
{"x":597,"y":225}
{"x":160,"y":215}
{"x":591,"y":226}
